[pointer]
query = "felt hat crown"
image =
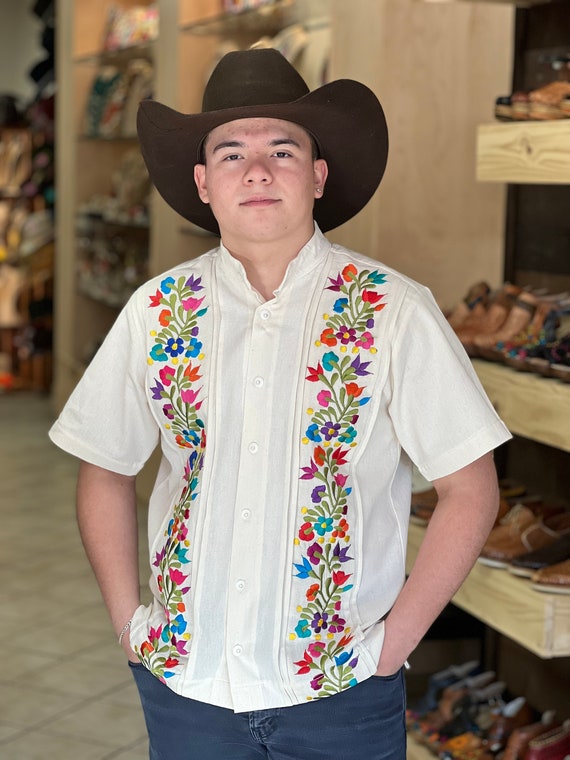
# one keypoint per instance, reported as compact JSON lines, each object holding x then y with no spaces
{"x":344,"y":117}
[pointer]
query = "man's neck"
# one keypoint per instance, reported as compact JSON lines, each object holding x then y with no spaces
{"x":266,"y":262}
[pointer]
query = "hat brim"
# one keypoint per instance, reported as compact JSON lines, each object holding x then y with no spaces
{"x":344,"y":117}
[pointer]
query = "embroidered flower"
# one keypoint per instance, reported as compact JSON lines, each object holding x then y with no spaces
{"x":325,"y":567}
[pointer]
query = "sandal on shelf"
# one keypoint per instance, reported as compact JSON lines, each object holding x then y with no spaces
{"x":519,"y":319}
{"x":493,"y":319}
{"x":471,"y":307}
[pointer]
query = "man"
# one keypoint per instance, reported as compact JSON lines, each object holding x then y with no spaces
{"x":291,"y":384}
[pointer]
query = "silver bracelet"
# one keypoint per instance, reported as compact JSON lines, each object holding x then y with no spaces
{"x":125,"y":629}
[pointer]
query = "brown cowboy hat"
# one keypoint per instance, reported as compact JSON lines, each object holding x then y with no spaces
{"x":344,"y":117}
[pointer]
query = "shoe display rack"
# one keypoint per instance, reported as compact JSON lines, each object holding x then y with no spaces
{"x":102,"y":257}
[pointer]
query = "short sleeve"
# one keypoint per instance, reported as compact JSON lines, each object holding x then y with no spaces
{"x":440,"y":411}
{"x":107,"y":420}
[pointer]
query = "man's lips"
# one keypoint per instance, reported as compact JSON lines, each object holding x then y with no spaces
{"x":257,"y":202}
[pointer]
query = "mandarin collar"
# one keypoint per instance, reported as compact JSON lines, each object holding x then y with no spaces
{"x":311,"y":255}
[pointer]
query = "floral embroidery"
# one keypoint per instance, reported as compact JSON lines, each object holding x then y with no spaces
{"x":176,"y":383}
{"x":323,"y":538}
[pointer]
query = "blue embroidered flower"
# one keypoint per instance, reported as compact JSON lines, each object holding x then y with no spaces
{"x":302,"y":629}
{"x":174,"y":346}
{"x":313,"y":433}
{"x":323,"y":525}
{"x":329,"y":361}
{"x":194,"y":348}
{"x":340,"y":305}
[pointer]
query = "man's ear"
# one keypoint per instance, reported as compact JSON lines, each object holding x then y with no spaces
{"x":321,"y":172}
{"x":200,"y":180}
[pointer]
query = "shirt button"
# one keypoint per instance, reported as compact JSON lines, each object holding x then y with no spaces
{"x":258,"y":382}
{"x":237,"y":650}
{"x":245,"y":514}
{"x":240,"y":585}
{"x":253,"y":448}
{"x":265,"y":314}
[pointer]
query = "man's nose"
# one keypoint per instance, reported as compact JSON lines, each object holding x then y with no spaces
{"x":257,"y":171}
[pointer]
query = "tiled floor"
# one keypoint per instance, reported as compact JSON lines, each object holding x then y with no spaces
{"x":65,"y":689}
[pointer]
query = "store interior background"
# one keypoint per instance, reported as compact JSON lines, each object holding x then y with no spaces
{"x":437,"y":68}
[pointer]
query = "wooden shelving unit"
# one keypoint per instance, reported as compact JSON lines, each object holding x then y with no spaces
{"x":530,"y":152}
{"x":538,"y":621}
{"x":531,"y":406}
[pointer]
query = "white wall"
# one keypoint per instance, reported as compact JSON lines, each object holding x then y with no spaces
{"x":20,"y":48}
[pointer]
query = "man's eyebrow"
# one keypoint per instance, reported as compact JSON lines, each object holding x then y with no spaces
{"x":228,"y":144}
{"x":273,"y":143}
{"x":284,"y":141}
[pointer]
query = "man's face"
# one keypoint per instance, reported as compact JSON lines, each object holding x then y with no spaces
{"x":260,"y":179}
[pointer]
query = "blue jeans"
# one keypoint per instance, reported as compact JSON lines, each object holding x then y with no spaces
{"x":365,"y":722}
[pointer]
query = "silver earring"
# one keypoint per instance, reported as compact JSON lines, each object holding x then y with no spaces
{"x":318,"y":189}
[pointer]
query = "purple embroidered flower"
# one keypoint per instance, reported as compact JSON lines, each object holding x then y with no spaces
{"x":359,"y":366}
{"x":157,"y":391}
{"x":337,"y":624}
{"x":309,"y":472}
{"x":337,"y":283}
{"x":330,"y":430}
{"x":318,"y":493}
{"x":319,"y":622}
{"x":315,"y":553}
{"x":370,"y":323}
{"x":194,"y":283}
{"x":346,"y":334}
{"x":168,"y":411}
{"x":317,"y":682}
{"x":341,"y":553}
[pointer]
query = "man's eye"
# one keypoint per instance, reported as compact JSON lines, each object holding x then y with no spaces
{"x":231,"y":157}
{"x":282,"y":154}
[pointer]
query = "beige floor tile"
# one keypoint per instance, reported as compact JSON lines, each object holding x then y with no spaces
{"x":27,"y":706}
{"x":140,"y":752}
{"x":45,"y":746}
{"x":67,"y":692}
{"x":8,"y":731}
{"x":119,"y":724}
{"x":80,"y":678}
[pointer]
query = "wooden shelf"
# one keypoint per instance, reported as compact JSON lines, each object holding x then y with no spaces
{"x":416,"y":751}
{"x":531,"y":406}
{"x":538,"y":621}
{"x":520,"y":3}
{"x":265,"y":19}
{"x":531,"y":152}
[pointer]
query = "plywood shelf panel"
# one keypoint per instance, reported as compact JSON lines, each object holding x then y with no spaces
{"x":531,"y":406}
{"x":529,"y":152}
{"x":538,"y":621}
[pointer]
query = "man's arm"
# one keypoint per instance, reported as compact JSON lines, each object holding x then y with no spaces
{"x":468,"y":502}
{"x":107,"y":518}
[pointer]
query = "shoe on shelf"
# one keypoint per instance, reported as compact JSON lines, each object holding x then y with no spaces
{"x":552,"y":360}
{"x":520,"y":105}
{"x":521,"y":532}
{"x":440,"y":681}
{"x":554,"y":579}
{"x":518,"y":319}
{"x":472,"y":306}
{"x":552,"y":745}
{"x":514,"y":714}
{"x":545,"y":102}
{"x":492,"y":320}
{"x":540,"y":331}
{"x":527,"y":564}
{"x":520,"y":738}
